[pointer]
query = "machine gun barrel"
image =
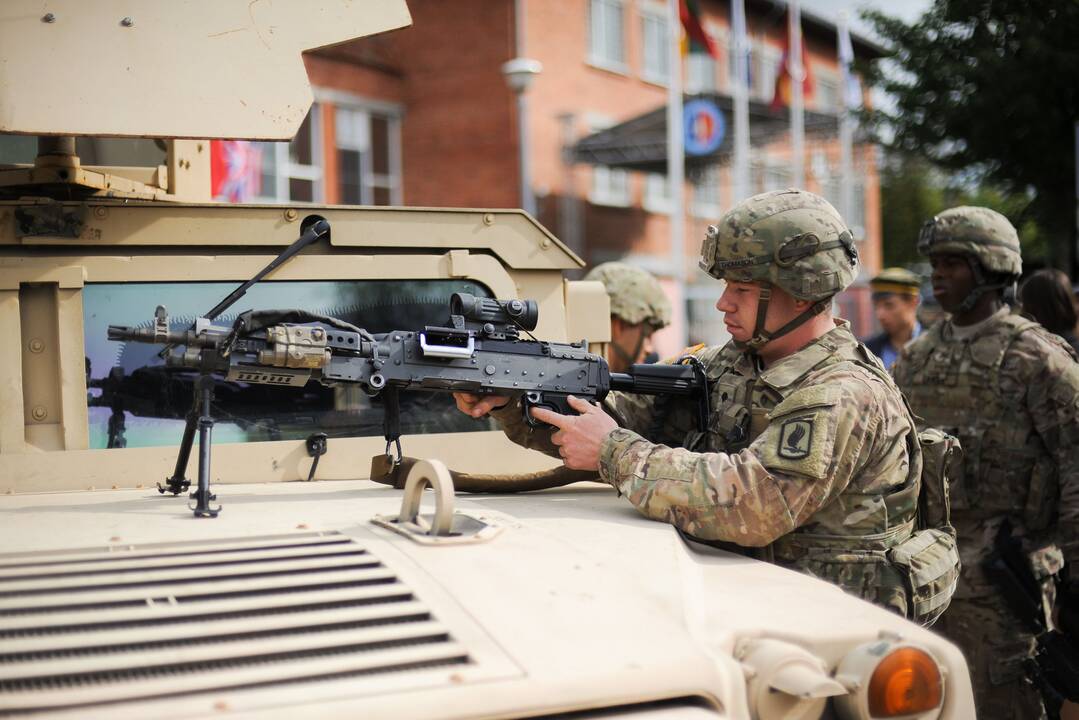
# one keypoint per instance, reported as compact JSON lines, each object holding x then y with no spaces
{"x":172,"y":337}
{"x":681,"y":380}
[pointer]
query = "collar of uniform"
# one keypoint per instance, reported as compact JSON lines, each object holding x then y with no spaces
{"x":794,"y":367}
{"x":951,"y":331}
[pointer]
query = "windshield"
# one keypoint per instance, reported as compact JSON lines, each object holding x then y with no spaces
{"x":134,"y":401}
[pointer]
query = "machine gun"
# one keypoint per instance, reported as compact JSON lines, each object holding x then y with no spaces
{"x":480,"y":350}
{"x":1054,"y":669}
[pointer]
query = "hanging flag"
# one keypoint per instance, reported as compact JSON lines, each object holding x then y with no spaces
{"x":782,"y":95}
{"x":696,"y":39}
{"x":235,"y":170}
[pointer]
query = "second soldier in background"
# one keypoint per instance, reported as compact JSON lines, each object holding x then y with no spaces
{"x":639,"y":307}
{"x":1009,"y":391}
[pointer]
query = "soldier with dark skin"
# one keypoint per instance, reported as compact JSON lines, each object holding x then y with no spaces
{"x":809,"y":458}
{"x":639,"y":307}
{"x":1009,"y":390}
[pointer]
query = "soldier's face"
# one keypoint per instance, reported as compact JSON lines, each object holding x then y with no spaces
{"x":952,"y":280}
{"x":738,"y":303}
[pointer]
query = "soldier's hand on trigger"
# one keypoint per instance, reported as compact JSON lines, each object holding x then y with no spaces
{"x":478,"y":405}
{"x":579,"y":436}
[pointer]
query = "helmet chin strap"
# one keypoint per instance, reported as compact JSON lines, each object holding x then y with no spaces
{"x":626,"y":357}
{"x":762,"y":337}
{"x":981,"y":287}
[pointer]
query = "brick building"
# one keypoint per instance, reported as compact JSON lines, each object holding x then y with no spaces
{"x":423,"y":116}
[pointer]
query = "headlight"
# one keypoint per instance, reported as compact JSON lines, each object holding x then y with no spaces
{"x":890,"y":678}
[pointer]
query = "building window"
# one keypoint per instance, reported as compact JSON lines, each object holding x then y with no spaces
{"x":775,"y":177}
{"x":610,"y":186}
{"x":827,"y":93}
{"x":657,"y":194}
{"x":368,"y":157}
{"x":656,"y":67}
{"x":707,"y":200}
{"x":702,"y":72}
{"x":293,"y":171}
{"x":765,"y":63}
{"x":606,"y":44}
{"x":856,"y":221}
{"x":705,"y":323}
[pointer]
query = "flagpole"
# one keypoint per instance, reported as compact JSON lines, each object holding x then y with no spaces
{"x":797,"y":77}
{"x":676,"y":164}
{"x":846,"y":124}
{"x":740,"y":90}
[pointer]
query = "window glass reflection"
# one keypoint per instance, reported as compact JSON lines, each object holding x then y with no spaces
{"x":134,"y":401}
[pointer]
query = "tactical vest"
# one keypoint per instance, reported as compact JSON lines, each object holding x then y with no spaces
{"x":954,"y":385}
{"x":874,"y":563}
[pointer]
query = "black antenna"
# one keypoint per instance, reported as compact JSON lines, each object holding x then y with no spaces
{"x":314,"y":229}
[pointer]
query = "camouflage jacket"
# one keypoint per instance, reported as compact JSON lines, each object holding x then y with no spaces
{"x":1010,"y":393}
{"x":815,"y":458}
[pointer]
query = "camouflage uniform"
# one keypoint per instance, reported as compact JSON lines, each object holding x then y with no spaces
{"x":636,"y":296}
{"x":1010,"y":391}
{"x":813,"y":459}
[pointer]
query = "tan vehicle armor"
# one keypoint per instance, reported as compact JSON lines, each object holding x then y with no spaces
{"x":299,"y":587}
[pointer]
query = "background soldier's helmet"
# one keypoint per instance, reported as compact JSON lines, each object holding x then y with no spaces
{"x":976,"y":232}
{"x":636,"y":296}
{"x":791,"y":239}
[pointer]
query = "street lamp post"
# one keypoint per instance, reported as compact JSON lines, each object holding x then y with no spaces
{"x":519,"y":73}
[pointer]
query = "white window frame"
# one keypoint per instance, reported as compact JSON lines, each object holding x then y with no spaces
{"x":696,"y":62}
{"x":706,"y":204}
{"x":823,"y":78}
{"x":367,"y":107}
{"x":599,"y":55}
{"x":657,"y":194}
{"x":775,"y":176}
{"x":610,"y":186}
{"x":285,"y":169}
{"x":655,"y":61}
{"x":764,"y":55}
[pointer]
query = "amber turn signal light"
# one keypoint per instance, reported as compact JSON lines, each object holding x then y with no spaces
{"x":906,"y":681}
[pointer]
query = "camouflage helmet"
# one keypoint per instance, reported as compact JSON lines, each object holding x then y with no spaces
{"x":636,"y":296}
{"x":976,"y":232}
{"x":791,"y":239}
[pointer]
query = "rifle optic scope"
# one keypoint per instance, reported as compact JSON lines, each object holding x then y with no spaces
{"x":522,"y":314}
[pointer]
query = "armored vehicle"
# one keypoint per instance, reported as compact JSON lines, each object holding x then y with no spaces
{"x":304,"y":589}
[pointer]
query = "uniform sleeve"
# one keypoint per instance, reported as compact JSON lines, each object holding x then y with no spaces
{"x":808,"y":453}
{"x":1052,"y":398}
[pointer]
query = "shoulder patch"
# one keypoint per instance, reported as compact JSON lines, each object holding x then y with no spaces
{"x":796,"y":438}
{"x":692,"y":350}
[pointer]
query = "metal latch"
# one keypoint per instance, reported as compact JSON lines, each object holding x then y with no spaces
{"x":444,"y":525}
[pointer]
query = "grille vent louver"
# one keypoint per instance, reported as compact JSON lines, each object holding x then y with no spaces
{"x":87,"y":628}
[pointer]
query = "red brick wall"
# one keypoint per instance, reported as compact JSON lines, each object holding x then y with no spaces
{"x":459,"y":134}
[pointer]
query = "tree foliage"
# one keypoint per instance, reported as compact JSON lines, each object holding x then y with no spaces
{"x":989,"y":87}
{"x":914,"y":190}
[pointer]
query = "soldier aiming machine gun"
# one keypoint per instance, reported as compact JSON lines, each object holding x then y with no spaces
{"x":480,"y":351}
